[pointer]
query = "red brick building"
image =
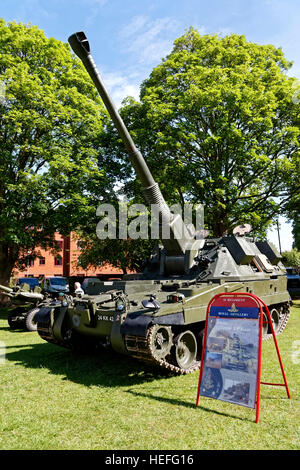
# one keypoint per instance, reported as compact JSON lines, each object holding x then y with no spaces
{"x":64,"y":262}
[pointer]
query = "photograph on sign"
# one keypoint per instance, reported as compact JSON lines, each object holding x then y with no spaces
{"x":231,"y":360}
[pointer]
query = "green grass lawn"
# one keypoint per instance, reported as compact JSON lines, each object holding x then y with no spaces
{"x":51,"y":398}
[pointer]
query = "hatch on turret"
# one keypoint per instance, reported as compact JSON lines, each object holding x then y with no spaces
{"x":264,"y":263}
{"x":270,"y":251}
{"x":240,"y":249}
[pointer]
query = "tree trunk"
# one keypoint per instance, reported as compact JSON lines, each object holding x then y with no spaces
{"x":219,"y":227}
{"x":7,"y":263}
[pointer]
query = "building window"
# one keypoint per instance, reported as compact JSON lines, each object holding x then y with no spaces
{"x":59,"y":244}
{"x":31,"y":262}
{"x":42,"y":260}
{"x":58,"y":261}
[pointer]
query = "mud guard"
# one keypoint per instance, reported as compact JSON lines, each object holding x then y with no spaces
{"x":42,"y":314}
{"x":137,"y":325}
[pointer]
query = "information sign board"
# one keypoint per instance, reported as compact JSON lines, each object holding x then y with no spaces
{"x":231,"y":354}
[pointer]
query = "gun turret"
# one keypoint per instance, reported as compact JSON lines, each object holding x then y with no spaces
{"x":180,"y":246}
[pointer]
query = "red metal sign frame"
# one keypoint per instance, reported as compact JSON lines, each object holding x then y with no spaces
{"x":261,"y":305}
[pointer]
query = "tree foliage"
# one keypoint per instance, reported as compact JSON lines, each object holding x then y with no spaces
{"x":292,"y":207}
{"x":217,"y":124}
{"x":117,"y":249}
{"x":294,"y":215}
{"x":126,"y":255}
{"x":291,"y":258}
{"x":51,"y":122}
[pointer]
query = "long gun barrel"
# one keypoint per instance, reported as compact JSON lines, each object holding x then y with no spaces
{"x":7,"y":290}
{"x":18,"y":294}
{"x":175,"y":245}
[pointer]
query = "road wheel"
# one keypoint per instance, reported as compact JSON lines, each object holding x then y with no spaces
{"x":275,"y":317}
{"x":185,"y":349}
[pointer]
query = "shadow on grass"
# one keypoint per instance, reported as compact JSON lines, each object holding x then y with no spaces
{"x":176,"y":402}
{"x":4,"y":314}
{"x":11,"y":330}
{"x":105,"y":369}
{"x":17,"y":330}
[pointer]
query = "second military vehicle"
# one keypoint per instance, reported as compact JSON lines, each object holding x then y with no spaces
{"x":159,"y":318}
{"x":26,"y":304}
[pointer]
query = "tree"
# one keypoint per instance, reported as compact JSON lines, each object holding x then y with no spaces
{"x":111,"y":242}
{"x":51,"y":177}
{"x":293,"y":213}
{"x":292,"y":207}
{"x":217,"y":124}
{"x":291,"y":258}
{"x":296,"y":231}
{"x":125,"y":254}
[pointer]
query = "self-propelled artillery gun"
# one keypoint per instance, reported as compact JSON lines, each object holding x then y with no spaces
{"x":159,"y":317}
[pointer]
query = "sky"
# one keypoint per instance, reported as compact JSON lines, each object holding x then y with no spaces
{"x":128,"y":38}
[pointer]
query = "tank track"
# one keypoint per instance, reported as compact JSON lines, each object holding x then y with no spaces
{"x":141,"y":348}
{"x":283,"y":320}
